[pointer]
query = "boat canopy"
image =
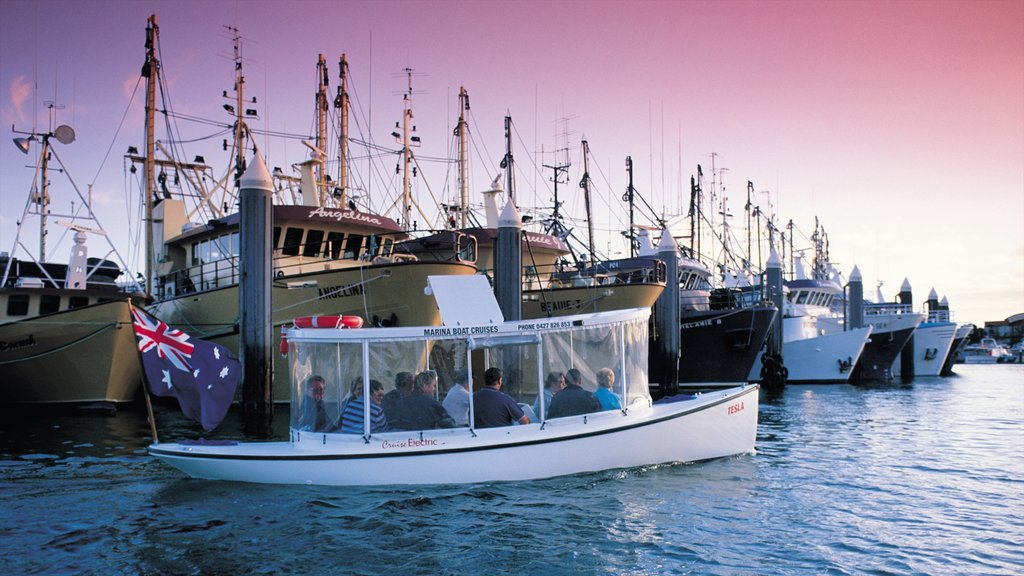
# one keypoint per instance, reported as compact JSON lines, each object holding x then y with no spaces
{"x":526,"y":352}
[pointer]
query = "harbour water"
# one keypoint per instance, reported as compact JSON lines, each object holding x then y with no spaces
{"x":920,"y":478}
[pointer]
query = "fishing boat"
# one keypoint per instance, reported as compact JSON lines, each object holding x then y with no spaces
{"x":893,"y":325}
{"x":552,"y":285}
{"x":474,"y":336}
{"x":329,"y":256}
{"x":814,"y":349}
{"x":65,"y":328}
{"x":933,"y":339}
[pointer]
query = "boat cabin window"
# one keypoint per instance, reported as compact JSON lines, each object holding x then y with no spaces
{"x":801,"y":297}
{"x":17,"y":305}
{"x":292,"y":241}
{"x":277,"y":238}
{"x":314,"y":240}
{"x":49,"y":303}
{"x":78,"y":301}
{"x":335,"y":242}
{"x":353,"y":246}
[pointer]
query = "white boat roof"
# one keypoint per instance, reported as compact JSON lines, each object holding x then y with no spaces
{"x":479,"y":334}
{"x":465,"y":300}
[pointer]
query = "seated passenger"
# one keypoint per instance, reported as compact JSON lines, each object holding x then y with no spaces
{"x":573,"y":399}
{"x":553,"y":383}
{"x":420,"y":410}
{"x":314,"y":414}
{"x":403,"y":387}
{"x":456,"y":402}
{"x":492,"y":407}
{"x":608,"y":399}
{"x":353,"y":416}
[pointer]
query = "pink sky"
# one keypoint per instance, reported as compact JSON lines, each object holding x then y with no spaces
{"x":899,"y":124}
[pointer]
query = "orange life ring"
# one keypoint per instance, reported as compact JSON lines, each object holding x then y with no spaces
{"x":329,"y":322}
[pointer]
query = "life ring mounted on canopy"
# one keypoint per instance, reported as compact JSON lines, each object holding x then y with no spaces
{"x":319,"y":322}
{"x":328,"y":322}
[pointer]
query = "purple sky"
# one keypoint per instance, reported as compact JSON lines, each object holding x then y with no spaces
{"x":899,"y":124}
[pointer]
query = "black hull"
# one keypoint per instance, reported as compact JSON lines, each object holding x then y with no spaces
{"x":954,"y":351}
{"x":875,"y":364}
{"x":719,"y":347}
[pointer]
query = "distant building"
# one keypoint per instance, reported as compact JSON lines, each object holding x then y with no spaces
{"x":1011,"y":329}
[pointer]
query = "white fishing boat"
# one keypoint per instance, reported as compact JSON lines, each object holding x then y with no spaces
{"x":932,"y":339}
{"x":816,"y":346}
{"x":65,"y":328}
{"x":473,"y":337}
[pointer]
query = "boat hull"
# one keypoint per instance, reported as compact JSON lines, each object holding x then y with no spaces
{"x":956,"y":348}
{"x":555,"y":302}
{"x":713,"y":425}
{"x":881,"y":350}
{"x":721,"y":347}
{"x":79,"y":355}
{"x":932,"y":342}
{"x":383,"y":295}
{"x":825,"y":359}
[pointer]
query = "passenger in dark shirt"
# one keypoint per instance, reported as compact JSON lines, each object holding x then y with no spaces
{"x":492,"y":407}
{"x":573,"y":399}
{"x":403,"y":387}
{"x":421,"y":410}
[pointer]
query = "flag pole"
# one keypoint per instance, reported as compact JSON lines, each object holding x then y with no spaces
{"x":145,"y":385}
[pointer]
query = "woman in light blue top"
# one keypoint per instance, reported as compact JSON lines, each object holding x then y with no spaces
{"x":609,"y":400}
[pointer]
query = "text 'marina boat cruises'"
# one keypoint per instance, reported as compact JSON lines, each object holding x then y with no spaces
{"x":367,"y":449}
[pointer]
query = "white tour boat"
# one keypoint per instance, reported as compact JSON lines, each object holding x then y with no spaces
{"x":474,"y":337}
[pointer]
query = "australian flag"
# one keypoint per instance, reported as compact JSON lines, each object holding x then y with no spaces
{"x":200,"y":374}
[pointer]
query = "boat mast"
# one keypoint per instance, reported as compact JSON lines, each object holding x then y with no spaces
{"x":508,"y":163}
{"x":406,"y":153}
{"x":240,"y":125}
{"x":341,"y":102}
{"x":44,"y":193}
{"x":321,"y":126}
{"x":462,"y":132}
{"x":151,"y":71}
{"x":585,"y":184}
{"x":628,"y":197}
{"x":747,"y":208}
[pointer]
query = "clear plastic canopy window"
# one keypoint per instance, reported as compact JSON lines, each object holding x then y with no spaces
{"x":348,"y":370}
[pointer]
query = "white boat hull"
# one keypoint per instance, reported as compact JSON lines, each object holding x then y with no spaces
{"x":713,"y":425}
{"x":931,"y":345}
{"x":826,"y":359}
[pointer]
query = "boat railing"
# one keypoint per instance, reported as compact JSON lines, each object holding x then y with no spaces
{"x":938,"y":315}
{"x":600,"y":274}
{"x":887,"y":308}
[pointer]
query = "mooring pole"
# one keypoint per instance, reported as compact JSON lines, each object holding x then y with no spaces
{"x":508,"y":284}
{"x":855,"y":318}
{"x":665,"y":360}
{"x":906,"y":298}
{"x":773,"y":371}
{"x":255,"y":331}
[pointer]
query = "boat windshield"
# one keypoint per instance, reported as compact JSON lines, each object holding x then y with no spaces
{"x":332,"y":376}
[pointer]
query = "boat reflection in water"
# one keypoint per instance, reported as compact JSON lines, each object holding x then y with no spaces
{"x":474,"y":337}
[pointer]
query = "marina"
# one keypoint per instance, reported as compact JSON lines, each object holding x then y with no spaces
{"x":338,"y":320}
{"x":937,"y":493}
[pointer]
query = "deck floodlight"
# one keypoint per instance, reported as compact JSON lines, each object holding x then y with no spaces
{"x":22,"y":144}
